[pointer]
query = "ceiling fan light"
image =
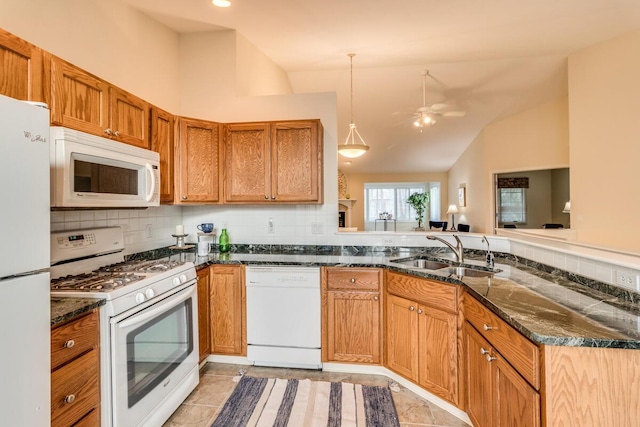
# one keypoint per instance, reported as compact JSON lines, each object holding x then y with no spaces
{"x":417,"y":123}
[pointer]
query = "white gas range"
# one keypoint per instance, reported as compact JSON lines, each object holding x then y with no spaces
{"x":148,"y":328}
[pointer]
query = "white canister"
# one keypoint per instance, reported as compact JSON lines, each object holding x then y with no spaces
{"x":203,"y":248}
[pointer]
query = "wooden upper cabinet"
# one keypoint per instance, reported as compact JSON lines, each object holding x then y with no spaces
{"x":198,"y":165}
{"x":21,"y":69}
{"x":129,"y":118}
{"x":271,"y":162}
{"x":247,"y":174}
{"x":296,"y":161}
{"x":162,"y":142}
{"x":87,"y":103}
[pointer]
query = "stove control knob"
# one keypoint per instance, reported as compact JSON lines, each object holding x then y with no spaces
{"x":140,"y":297}
{"x":149,"y":293}
{"x":176,"y":281}
{"x":183,"y":278}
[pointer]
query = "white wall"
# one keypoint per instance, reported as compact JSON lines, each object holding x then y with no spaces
{"x":604,"y":103}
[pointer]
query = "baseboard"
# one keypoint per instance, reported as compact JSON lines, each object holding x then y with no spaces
{"x":381,"y":370}
{"x":233,"y":360}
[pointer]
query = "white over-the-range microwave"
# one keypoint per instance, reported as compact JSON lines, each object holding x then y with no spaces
{"x":89,"y":171}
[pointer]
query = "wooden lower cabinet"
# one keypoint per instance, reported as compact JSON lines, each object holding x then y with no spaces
{"x":421,"y":336}
{"x":352,"y":313}
{"x":497,"y":395}
{"x":353,"y":326}
{"x":75,"y":372}
{"x":204,"y":316}
{"x":227,"y":304}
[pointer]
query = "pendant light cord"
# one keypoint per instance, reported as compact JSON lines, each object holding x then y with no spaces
{"x":351,"y":55}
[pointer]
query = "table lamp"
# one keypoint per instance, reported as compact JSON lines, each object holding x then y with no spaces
{"x":453,"y":209}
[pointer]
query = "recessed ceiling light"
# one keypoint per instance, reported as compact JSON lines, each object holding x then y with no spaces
{"x":221,"y":3}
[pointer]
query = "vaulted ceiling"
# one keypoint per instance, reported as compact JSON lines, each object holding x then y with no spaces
{"x":491,"y":59}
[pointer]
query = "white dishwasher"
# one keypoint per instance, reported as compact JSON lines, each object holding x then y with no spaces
{"x":283,"y":316}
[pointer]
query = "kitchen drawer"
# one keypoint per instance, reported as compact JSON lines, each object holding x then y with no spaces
{"x":429,"y":292}
{"x":74,"y":338}
{"x":77,"y":381}
{"x":356,"y":279}
{"x":92,"y":419}
{"x":521,"y":353}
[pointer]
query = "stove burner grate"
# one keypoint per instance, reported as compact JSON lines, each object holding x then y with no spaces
{"x":102,"y":282}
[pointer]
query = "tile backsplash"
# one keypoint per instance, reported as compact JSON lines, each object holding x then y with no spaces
{"x":144,"y":229}
{"x":151,"y":228}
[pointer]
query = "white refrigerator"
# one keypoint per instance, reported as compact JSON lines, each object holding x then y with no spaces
{"x":25,"y":361}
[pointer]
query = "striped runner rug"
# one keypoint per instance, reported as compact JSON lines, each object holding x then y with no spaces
{"x":268,"y":402}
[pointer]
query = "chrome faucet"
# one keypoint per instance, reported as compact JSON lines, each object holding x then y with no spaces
{"x":457,"y":251}
{"x":490,"y":260}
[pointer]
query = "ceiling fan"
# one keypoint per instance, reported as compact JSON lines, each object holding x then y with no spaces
{"x":425,"y":116}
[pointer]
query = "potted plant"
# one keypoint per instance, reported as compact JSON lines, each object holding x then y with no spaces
{"x":418,"y":202}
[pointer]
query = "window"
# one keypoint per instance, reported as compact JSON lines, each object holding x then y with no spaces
{"x":513,"y":205}
{"x":390,"y":198}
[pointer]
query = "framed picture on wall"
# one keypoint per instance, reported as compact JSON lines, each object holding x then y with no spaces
{"x":462,"y":196}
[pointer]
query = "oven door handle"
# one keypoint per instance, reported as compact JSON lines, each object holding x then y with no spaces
{"x":158,"y":308}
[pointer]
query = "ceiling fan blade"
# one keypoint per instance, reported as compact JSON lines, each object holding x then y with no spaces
{"x":453,"y":113}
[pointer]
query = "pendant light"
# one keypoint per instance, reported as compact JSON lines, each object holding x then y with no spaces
{"x":350,"y":148}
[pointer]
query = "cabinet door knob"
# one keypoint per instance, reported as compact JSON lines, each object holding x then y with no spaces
{"x":273,"y":197}
{"x":116,"y":133}
{"x":184,"y":197}
{"x":490,"y":358}
{"x":266,"y":197}
{"x":420,"y":311}
{"x":69,"y":344}
{"x":352,"y":280}
{"x":412,"y":308}
{"x":375,"y":298}
{"x":108,"y":131}
{"x":483,"y":351}
{"x":487,"y":327}
{"x":69,"y":398}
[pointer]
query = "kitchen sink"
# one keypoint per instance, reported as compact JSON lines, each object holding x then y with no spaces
{"x":423,"y":263}
{"x":469,"y":272}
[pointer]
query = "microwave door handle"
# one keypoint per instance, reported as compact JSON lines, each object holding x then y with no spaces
{"x":152,"y":179}
{"x":157,"y":309}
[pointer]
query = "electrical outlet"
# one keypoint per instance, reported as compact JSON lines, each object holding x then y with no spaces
{"x":316,"y":228}
{"x":149,"y":231}
{"x":627,"y":280}
{"x":270,"y":227}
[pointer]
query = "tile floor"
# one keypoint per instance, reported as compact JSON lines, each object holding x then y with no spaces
{"x":216,"y":384}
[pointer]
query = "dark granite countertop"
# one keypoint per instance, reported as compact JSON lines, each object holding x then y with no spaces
{"x":545,"y":306}
{"x":63,"y":309}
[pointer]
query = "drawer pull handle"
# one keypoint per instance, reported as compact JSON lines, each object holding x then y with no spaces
{"x":483,"y":351}
{"x":69,"y":344}
{"x":352,"y":280}
{"x":490,"y":358}
{"x":412,"y":308}
{"x":419,"y":311}
{"x":487,"y":327}
{"x":70,"y":398}
{"x":375,"y":298}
